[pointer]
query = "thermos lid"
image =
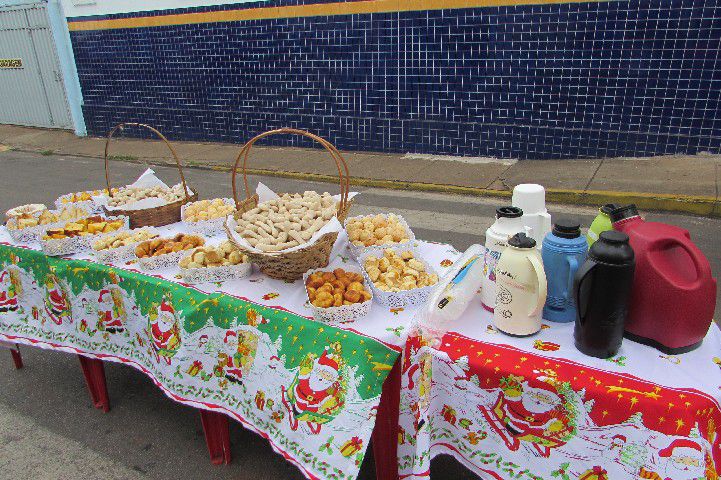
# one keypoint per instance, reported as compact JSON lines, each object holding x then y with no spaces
{"x":608,"y":208}
{"x":508,"y":212}
{"x":520,"y":240}
{"x":529,"y":197}
{"x":613,"y":236}
{"x":612,"y":248}
{"x":622,"y":213}
{"x":565,"y":228}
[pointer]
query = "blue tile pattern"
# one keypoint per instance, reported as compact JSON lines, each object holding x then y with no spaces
{"x":573,"y":80}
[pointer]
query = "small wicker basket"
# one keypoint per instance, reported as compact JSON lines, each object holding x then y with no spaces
{"x":155,"y":216}
{"x":290,"y":265}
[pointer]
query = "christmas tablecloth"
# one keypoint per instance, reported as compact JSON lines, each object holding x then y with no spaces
{"x":536,"y":408}
{"x":245,"y":347}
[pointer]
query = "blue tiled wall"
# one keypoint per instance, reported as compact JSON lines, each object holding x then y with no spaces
{"x":563,"y":80}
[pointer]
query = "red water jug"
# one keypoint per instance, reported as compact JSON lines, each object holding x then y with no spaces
{"x":674,"y":296}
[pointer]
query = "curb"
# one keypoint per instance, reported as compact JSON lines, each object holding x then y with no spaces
{"x":705,"y":206}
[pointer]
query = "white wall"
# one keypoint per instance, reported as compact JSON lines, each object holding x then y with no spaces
{"x":81,"y":8}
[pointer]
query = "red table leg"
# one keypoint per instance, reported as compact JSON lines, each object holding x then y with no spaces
{"x":217,"y":436}
{"x":17,"y":358}
{"x":94,"y":373}
{"x":385,"y":433}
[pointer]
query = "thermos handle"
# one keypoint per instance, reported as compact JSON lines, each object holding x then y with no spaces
{"x":542,"y":286}
{"x":572,"y":267}
{"x":581,"y":274}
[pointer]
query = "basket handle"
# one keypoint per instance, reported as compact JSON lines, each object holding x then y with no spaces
{"x":121,"y":126}
{"x":335,"y":154}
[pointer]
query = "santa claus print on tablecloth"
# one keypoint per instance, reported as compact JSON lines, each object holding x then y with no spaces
{"x":57,"y":306}
{"x":235,"y":364}
{"x":317,"y":392}
{"x":111,"y":310}
{"x":538,"y":416}
{"x":682,"y":459}
{"x":164,"y":331}
{"x":10,"y":289}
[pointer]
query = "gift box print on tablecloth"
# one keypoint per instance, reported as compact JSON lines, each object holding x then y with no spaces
{"x":310,"y":388}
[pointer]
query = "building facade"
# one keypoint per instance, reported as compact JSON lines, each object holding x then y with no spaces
{"x":501,"y":78}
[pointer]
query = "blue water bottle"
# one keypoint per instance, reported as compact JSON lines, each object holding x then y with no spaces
{"x":564,"y":250}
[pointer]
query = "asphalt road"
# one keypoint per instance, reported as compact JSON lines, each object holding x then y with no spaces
{"x":48,"y":429}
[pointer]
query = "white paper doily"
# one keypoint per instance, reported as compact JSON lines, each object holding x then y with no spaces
{"x":216,"y":274}
{"x":168,"y":260}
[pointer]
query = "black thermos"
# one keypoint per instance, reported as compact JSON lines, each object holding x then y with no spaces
{"x":602,"y":291}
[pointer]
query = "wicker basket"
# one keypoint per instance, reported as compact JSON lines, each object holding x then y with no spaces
{"x":156,"y":216}
{"x":290,"y":265}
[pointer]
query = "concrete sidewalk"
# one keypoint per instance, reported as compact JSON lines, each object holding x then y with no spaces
{"x":687,"y":184}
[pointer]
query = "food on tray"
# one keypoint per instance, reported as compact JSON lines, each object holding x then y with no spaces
{"x":394,"y":272}
{"x":376,"y":230}
{"x":86,"y":226}
{"x":123,"y":239}
{"x":129,"y":195}
{"x":162,"y":246}
{"x":287,"y":221}
{"x":336,"y":288}
{"x":27,"y":220}
{"x":23,"y":210}
{"x":207,"y":210}
{"x":208,"y":257}
{"x":84,"y":196}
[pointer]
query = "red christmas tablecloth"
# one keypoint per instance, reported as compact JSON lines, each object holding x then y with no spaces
{"x":536,"y":408}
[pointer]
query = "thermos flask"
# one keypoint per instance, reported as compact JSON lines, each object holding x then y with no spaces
{"x":521,"y":285}
{"x":603,"y":290}
{"x":531,"y":198}
{"x":564,"y":251}
{"x":601,"y":223}
{"x":508,"y":222}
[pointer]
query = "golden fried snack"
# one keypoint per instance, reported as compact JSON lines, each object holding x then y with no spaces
{"x":224,"y":254}
{"x":336,"y":288}
{"x":394,"y":272}
{"x":376,"y":230}
{"x":162,"y":246}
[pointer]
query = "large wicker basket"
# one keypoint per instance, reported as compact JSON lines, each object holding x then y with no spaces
{"x":156,"y":216}
{"x":291,"y":265}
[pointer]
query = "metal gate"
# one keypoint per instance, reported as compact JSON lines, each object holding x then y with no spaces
{"x":31,"y":82}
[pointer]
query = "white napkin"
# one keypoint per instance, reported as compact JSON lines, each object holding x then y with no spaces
{"x":265,"y":194}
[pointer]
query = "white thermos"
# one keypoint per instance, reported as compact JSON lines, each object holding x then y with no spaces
{"x":531,"y":198}
{"x":508,"y":222}
{"x":521,"y":288}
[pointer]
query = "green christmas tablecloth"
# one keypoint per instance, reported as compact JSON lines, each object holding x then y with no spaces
{"x":311,"y":389}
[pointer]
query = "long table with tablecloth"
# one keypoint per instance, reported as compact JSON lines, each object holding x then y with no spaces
{"x":505,"y":407}
{"x":536,"y":408}
{"x":247,"y":347}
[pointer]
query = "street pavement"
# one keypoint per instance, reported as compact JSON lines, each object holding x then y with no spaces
{"x":678,"y":183}
{"x":48,"y":428}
